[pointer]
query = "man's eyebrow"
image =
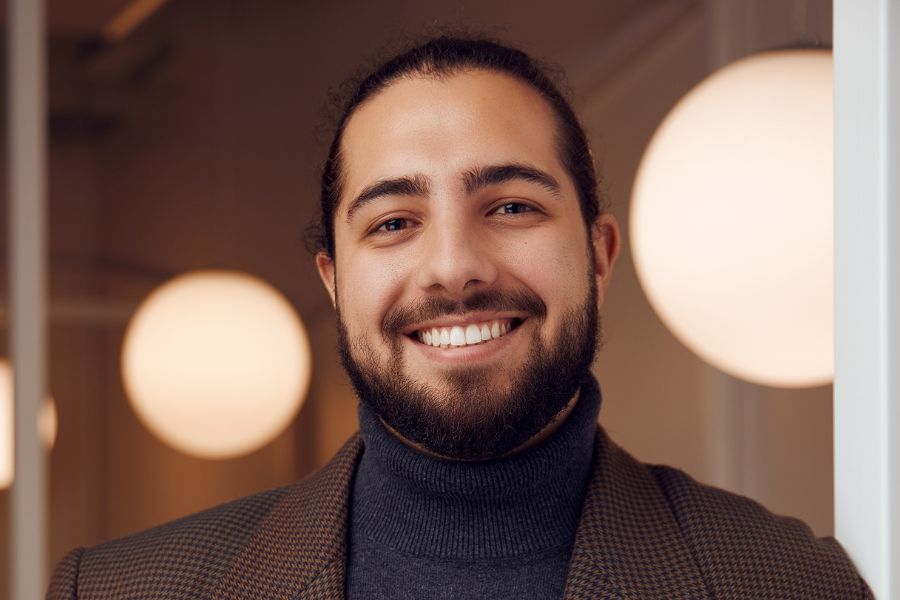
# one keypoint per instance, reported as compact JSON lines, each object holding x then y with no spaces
{"x":496,"y":174}
{"x":401,"y":186}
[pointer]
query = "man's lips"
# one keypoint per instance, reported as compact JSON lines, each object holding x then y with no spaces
{"x":483,"y":307}
{"x":471,"y":334}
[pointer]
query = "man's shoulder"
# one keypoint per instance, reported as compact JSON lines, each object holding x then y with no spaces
{"x":651,"y":529}
{"x":716,"y":517}
{"x":740,"y":545}
{"x":197,"y":548}
{"x":227,"y":522}
{"x":189,"y":556}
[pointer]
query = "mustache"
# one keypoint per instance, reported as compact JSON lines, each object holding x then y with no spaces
{"x":483,"y":300}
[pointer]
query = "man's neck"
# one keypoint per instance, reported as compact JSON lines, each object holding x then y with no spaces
{"x":412,"y":502}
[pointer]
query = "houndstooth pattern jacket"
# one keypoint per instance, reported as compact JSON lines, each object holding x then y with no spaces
{"x":646,"y":532}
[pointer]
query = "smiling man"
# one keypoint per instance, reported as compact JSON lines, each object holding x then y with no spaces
{"x":467,"y":255}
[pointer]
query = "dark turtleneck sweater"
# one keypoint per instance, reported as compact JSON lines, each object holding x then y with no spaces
{"x":425,"y":527}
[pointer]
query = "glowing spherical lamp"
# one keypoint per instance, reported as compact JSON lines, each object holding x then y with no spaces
{"x":731,"y":219}
{"x":216,"y":363}
{"x":7,"y":425}
{"x":46,"y":425}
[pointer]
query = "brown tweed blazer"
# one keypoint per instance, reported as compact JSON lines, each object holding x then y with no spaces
{"x":646,"y":532}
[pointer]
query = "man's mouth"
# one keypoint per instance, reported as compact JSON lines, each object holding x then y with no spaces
{"x":472,"y":334}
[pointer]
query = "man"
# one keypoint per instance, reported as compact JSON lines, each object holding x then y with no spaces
{"x":467,"y":255}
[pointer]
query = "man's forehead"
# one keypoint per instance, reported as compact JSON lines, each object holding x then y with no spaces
{"x":411,"y":92}
{"x":480,"y":118}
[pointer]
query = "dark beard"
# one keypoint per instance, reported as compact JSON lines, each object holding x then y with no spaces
{"x":470,"y":421}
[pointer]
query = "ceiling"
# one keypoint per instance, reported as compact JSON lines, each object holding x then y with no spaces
{"x":87,"y":18}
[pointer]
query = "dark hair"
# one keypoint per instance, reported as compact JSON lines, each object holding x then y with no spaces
{"x":443,"y":56}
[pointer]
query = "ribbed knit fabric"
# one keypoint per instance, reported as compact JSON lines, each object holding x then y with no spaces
{"x":423,"y":527}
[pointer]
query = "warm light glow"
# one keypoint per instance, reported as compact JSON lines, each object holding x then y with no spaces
{"x":7,"y":425}
{"x":732,"y":219}
{"x":216,"y":363}
{"x":47,"y":424}
{"x":130,"y":18}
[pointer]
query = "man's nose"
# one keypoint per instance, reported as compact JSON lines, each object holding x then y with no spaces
{"x":455,"y":259}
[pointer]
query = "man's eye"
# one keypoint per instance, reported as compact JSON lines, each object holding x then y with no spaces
{"x":513,"y":208}
{"x":393,"y":225}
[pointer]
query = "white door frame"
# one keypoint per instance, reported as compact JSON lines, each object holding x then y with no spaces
{"x":867,"y":288}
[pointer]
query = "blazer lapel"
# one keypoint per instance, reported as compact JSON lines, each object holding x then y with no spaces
{"x":628,"y":544}
{"x":299,"y":550}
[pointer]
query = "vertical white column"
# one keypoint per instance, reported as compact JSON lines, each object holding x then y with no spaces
{"x":27,"y":205}
{"x":867,"y":288}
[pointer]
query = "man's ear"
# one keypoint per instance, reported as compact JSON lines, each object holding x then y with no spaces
{"x":607,"y":242}
{"x":326,"y":271}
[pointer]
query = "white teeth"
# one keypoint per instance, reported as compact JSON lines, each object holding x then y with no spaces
{"x":457,"y":336}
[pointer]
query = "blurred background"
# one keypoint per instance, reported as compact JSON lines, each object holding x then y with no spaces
{"x":191,"y":139}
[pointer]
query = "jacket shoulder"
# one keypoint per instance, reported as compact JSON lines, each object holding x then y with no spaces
{"x":189,"y":557}
{"x":743,"y":550}
{"x":181,"y":557}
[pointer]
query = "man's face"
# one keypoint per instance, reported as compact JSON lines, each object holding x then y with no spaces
{"x":466,"y":282}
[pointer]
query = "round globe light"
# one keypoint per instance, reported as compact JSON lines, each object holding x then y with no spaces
{"x":7,"y":425}
{"x":46,"y":425}
{"x":216,"y":363}
{"x":732,"y":220}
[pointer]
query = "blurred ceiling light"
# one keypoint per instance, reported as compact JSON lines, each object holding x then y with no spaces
{"x":732,"y":219}
{"x":216,"y":363}
{"x":47,"y":424}
{"x":130,"y":18}
{"x":7,"y":425}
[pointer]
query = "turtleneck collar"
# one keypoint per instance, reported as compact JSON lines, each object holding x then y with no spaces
{"x":426,"y":506}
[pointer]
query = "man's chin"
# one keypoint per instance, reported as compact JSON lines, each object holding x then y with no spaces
{"x":469,"y":445}
{"x":470,"y":413}
{"x":488,"y":427}
{"x":476,"y":412}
